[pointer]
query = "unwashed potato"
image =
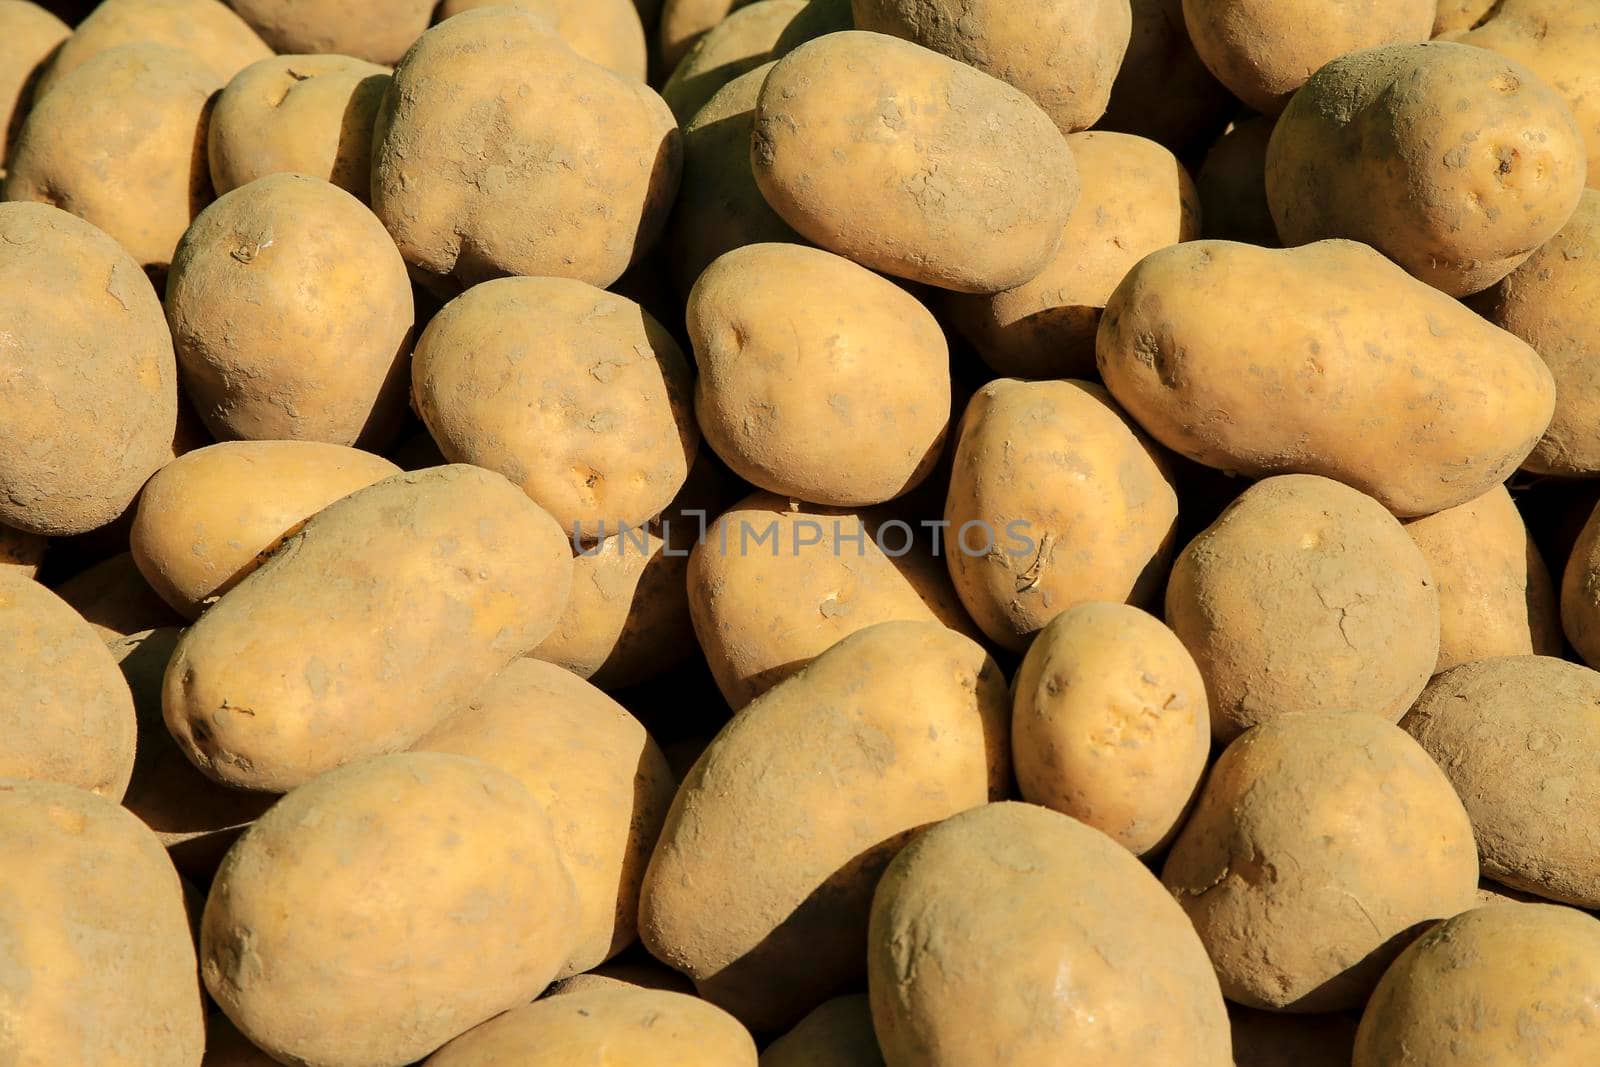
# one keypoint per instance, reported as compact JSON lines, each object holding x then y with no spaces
{"x":479,"y":170}
{"x":1455,"y":15}
{"x":206,"y":30}
{"x":101,"y":966}
{"x":385,"y":613}
{"x":739,"y":43}
{"x":1273,"y":1039}
{"x":1320,"y":843}
{"x":29,"y":39}
{"x":1454,"y":162}
{"x":1496,"y":597}
{"x":1056,"y":498}
{"x":1063,"y":53}
{"x":116,"y":600}
{"x":1264,"y":50}
{"x":20,"y":551}
{"x":377,"y":912}
{"x":837,"y":1034}
{"x":1580,"y":592}
{"x":209,"y":518}
{"x":1163,"y":91}
{"x":1376,"y":380}
{"x":308,"y":115}
{"x":895,"y":727}
{"x":1501,"y":986}
{"x":605,"y":32}
{"x":1013,"y":934}
{"x":956,"y":179}
{"x":1136,"y":199}
{"x":1233,"y":185}
{"x":376,"y":30}
{"x":1519,"y":737}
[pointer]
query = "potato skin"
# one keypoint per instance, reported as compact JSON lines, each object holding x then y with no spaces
{"x":837,"y":1034}
{"x":1327,"y":392}
{"x":1457,"y":15}
{"x":375,"y":30}
{"x":897,"y":726}
{"x":1163,"y":91}
{"x":305,"y":665}
{"x":964,"y":182}
{"x":1088,"y":961}
{"x":607,"y":33}
{"x":377,"y":912}
{"x":1507,"y":984}
{"x":1519,"y":737}
{"x":85,"y":337}
{"x":684,"y":22}
{"x":31,"y":37}
{"x":744,"y":40}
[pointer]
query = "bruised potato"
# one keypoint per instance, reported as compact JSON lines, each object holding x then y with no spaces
{"x":30,"y":37}
{"x":375,"y":30}
{"x":605,"y":32}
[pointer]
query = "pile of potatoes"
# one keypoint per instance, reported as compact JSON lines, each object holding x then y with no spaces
{"x":800,"y":533}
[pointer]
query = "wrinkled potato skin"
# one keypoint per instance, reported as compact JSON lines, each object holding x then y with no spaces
{"x":378,"y":31}
{"x":115,"y":600}
{"x":605,"y":32}
{"x":1519,"y":737}
{"x":203,"y":29}
{"x":1500,"y":986}
{"x":210,"y":517}
{"x":85,"y":337}
{"x":1377,"y":381}
{"x":1272,"y":1039}
{"x":895,"y":727}
{"x":29,"y":38}
{"x":1263,"y":50}
{"x":964,"y":183}
{"x":1233,"y":185}
{"x":476,"y":175}
{"x":1088,"y":960}
{"x":1079,"y":505}
{"x":739,"y":43}
{"x":305,"y":665}
{"x":1163,"y":91}
{"x":837,"y":1034}
{"x":1496,"y":597}
{"x":1136,"y":198}
{"x":102,"y":966}
{"x":476,"y":911}
{"x":1454,"y":162}
{"x":1320,"y":840}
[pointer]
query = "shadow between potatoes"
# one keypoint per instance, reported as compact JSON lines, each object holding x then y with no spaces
{"x":352,"y":158}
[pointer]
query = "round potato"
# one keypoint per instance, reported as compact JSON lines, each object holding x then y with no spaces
{"x":21,"y":552}
{"x":605,"y":32}
{"x":837,"y":1034}
{"x":1580,"y":592}
{"x":1084,"y":960}
{"x":376,"y":30}
{"x":1233,"y":185}
{"x":115,"y":600}
{"x":1272,"y":1039}
{"x":1163,"y":91}
{"x":963,"y":182}
{"x":739,"y":43}
{"x":29,"y":39}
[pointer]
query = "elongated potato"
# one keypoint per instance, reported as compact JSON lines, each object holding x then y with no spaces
{"x":1377,"y":380}
{"x":375,"y":30}
{"x":837,"y":1034}
{"x":209,"y":32}
{"x":1163,"y":91}
{"x":607,"y":32}
{"x":381,"y":616}
{"x":739,"y":43}
{"x":115,"y":600}
{"x":31,"y":36}
{"x":780,"y":830}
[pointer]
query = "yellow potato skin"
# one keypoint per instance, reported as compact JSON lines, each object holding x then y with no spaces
{"x":115,"y":600}
{"x":837,"y":1034}
{"x":684,"y":22}
{"x":1377,"y":380}
{"x":744,"y":40}
{"x":607,"y":32}
{"x":1457,"y":15}
{"x":375,"y":30}
{"x":31,"y":36}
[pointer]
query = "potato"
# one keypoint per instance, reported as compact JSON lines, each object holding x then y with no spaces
{"x":292,"y":315}
{"x":115,"y":600}
{"x":598,"y":431}
{"x":377,"y":912}
{"x":1163,"y":91}
{"x":1264,"y":50}
{"x":1013,"y":934}
{"x":385,"y":613}
{"x":774,"y":584}
{"x":963,"y":183}
{"x":645,"y":974}
{"x":739,"y":43}
{"x":1063,"y":53}
{"x":1376,"y":380}
{"x":21,"y":552}
{"x":637,"y":1027}
{"x":1233,"y":185}
{"x":1136,"y":198}
{"x":1519,"y":737}
{"x":605,"y":32}
{"x":1271,"y":1039}
{"x":227,"y":1047}
{"x":31,"y":37}
{"x":376,"y":30}
{"x":308,"y":115}
{"x":209,"y":518}
{"x":1503,"y":985}
{"x":1580,"y":592}
{"x":684,"y":22}
{"x":1496,"y":597}
{"x":837,"y":1034}
{"x":1494,"y":893}
{"x":1321,"y":841}
{"x":779,"y":832}
{"x":1454,"y":162}
{"x":100,"y":966}
{"x":540,"y":163}
{"x":1055,"y":499}
{"x":1461,"y":14}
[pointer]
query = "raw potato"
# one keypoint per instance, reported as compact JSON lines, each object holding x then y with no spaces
{"x":1376,"y":380}
{"x":479,"y":170}
{"x":837,"y":1034}
{"x":846,"y":405}
{"x":1233,"y":185}
{"x":1499,"y":986}
{"x":1454,"y":162}
{"x":203,"y":29}
{"x":330,"y":651}
{"x":101,"y":966}
{"x":962,"y":183}
{"x":1056,"y":498}
{"x":1264,"y":50}
{"x":297,"y":114}
{"x":377,"y":912}
{"x":1272,"y":1039}
{"x":376,"y":30}
{"x":209,"y":518}
{"x":1519,"y":737}
{"x":597,"y":428}
{"x":895,"y":727}
{"x":593,"y":768}
{"x":1455,"y":15}
{"x":29,"y":38}
{"x":1013,"y":934}
{"x":22,"y":552}
{"x":1063,"y":53}
{"x":636,"y":1027}
{"x":683,"y":22}
{"x":1580,"y":592}
{"x":1109,"y":724}
{"x":644,"y":974}
{"x":1163,"y":91}
{"x":1322,"y":840}
{"x":605,"y":32}
{"x":1136,"y":198}
{"x":1496,"y":597}
{"x":115,"y":600}
{"x":739,"y":43}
